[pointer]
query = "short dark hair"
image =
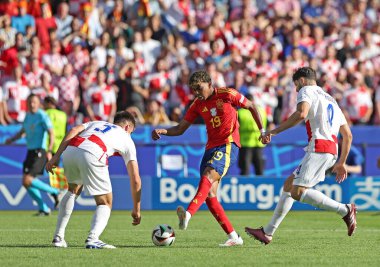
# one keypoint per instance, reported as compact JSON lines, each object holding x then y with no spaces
{"x":50,"y":100}
{"x":198,"y":77}
{"x":305,"y":72}
{"x":31,"y":96}
{"x":122,"y":116}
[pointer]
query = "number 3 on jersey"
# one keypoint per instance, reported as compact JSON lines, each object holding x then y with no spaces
{"x":215,"y":122}
{"x":330,"y":114}
{"x":106,"y":128}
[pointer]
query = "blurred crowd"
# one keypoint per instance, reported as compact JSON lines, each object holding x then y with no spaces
{"x":97,"y":57}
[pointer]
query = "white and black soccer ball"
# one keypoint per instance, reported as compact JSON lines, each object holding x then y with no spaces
{"x":163,"y":235}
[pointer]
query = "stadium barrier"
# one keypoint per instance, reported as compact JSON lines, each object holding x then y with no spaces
{"x":282,"y":156}
{"x":235,"y":193}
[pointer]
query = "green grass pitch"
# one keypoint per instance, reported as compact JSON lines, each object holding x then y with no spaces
{"x":313,"y":238}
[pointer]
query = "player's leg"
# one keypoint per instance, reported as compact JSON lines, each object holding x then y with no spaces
{"x":34,"y":165}
{"x":214,"y":165}
{"x":97,"y":183}
{"x":204,"y":187}
{"x":35,"y":194}
{"x":219,"y":214}
{"x":321,"y":201}
{"x":257,"y":160}
{"x":244,"y":161}
{"x":100,"y":221}
{"x":285,"y":203}
{"x":312,"y":173}
{"x":66,"y":208}
{"x":72,"y":160}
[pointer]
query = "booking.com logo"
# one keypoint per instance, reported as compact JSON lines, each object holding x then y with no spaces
{"x":235,"y":191}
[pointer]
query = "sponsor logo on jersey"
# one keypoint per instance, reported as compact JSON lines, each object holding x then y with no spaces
{"x":213,"y":112}
{"x":219,"y":104}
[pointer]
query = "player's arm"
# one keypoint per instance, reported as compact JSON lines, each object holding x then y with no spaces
{"x":135,"y":182}
{"x":51,"y":143}
{"x":15,"y":137}
{"x":65,"y":142}
{"x":339,"y":167}
{"x":255,"y":114}
{"x":179,"y":129}
{"x":298,"y":116}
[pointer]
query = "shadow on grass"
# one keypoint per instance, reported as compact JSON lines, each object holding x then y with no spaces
{"x":181,"y":247}
{"x":33,"y":246}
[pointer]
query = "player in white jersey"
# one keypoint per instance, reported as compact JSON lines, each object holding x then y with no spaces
{"x":86,"y":149}
{"x":324,"y":120}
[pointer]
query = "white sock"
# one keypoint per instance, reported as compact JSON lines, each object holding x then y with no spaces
{"x":233,"y":235}
{"x":66,"y":207}
{"x":282,"y":208}
{"x":188,"y":217}
{"x":320,"y":200}
{"x":99,"y":221}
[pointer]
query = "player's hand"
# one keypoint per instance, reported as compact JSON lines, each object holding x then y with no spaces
{"x":136,"y":218}
{"x":156,"y":133}
{"x":266,"y":138}
{"x":51,"y":164}
{"x":341,"y":172}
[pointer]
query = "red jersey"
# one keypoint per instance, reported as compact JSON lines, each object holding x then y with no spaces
{"x":220,"y":116}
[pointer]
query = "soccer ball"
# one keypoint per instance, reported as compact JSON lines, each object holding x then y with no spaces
{"x":163,"y":235}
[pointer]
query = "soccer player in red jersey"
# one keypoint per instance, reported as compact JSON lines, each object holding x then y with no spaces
{"x":217,"y":107}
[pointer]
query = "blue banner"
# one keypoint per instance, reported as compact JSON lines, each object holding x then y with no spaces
{"x":13,"y":196}
{"x":238,"y":193}
{"x":235,"y":193}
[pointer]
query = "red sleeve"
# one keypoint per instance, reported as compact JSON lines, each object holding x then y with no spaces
{"x":192,"y":112}
{"x":236,"y":98}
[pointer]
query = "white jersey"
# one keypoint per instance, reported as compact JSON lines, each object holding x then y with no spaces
{"x":103,"y":140}
{"x":323,"y":120}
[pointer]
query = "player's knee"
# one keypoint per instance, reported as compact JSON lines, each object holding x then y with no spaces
{"x":288,"y":183}
{"x":296,"y":193}
{"x":27,"y":181}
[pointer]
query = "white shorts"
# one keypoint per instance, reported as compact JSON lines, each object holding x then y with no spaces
{"x":312,"y":169}
{"x":83,"y":168}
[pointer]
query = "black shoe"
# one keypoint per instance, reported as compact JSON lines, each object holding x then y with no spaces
{"x":56,"y":200}
{"x":42,"y":213}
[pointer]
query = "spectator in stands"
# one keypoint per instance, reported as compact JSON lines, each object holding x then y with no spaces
{"x":357,"y":102}
{"x":36,"y":127}
{"x":46,"y":89}
{"x":22,"y":20}
{"x":155,"y":114}
{"x":100,"y":99}
{"x":54,"y":61}
{"x":16,"y":93}
{"x":78,"y":57}
{"x":36,"y":70}
{"x":63,"y":21}
{"x":100,"y":51}
{"x":11,"y":58}
{"x":340,"y":86}
{"x":44,"y":24}
{"x":3,"y":121}
{"x":237,"y":36}
{"x":68,"y":87}
{"x":7,"y":33}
